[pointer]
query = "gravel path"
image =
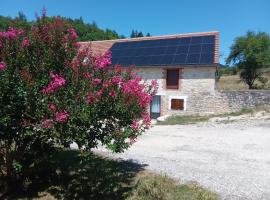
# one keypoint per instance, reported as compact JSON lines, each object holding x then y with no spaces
{"x":231,"y":159}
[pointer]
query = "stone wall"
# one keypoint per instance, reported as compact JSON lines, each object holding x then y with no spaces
{"x":231,"y":101}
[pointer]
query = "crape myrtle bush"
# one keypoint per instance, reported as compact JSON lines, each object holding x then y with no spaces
{"x":53,"y":93}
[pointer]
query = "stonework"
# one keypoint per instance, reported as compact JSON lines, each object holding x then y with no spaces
{"x":197,"y":88}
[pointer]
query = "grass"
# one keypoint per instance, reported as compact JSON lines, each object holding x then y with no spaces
{"x":233,"y":82}
{"x":182,"y":120}
{"x":71,"y":174}
{"x":157,"y":187}
{"x":193,"y":119}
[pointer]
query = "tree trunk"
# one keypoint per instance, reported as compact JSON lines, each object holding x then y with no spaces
{"x":10,"y":178}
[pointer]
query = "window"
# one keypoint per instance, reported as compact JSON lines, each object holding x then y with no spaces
{"x":177,"y":104}
{"x":172,"y":80}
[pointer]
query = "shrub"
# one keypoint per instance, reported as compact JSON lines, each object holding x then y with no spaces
{"x":52,"y":94}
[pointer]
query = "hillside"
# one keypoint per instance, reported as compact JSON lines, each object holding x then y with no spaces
{"x":233,"y":82}
{"x":86,"y":31}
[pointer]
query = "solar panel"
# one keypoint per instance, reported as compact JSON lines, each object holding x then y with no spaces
{"x":180,"y":59}
{"x":193,"y":58}
{"x":171,"y":51}
{"x":196,"y":40}
{"x":195,"y":48}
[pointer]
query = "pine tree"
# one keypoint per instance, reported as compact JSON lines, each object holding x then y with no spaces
{"x":140,"y":34}
{"x":132,"y":35}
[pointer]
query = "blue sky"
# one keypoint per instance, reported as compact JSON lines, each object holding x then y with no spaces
{"x":231,"y":18}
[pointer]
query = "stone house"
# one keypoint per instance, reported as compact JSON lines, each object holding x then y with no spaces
{"x":184,"y":66}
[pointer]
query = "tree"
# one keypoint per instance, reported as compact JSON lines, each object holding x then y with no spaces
{"x":135,"y":34}
{"x":250,"y":53}
{"x":52,"y":94}
{"x":140,"y":34}
{"x":148,"y":35}
{"x":86,"y":31}
{"x":21,"y":17}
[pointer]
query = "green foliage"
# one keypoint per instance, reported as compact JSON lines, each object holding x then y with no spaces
{"x":225,"y":70}
{"x":250,"y":53}
{"x":86,"y":31}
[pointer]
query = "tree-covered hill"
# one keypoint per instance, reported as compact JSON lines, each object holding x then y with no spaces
{"x":86,"y":31}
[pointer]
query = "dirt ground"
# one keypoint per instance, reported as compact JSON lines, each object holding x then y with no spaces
{"x":231,"y":158}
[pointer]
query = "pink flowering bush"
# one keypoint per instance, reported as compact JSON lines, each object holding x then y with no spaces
{"x":53,"y":93}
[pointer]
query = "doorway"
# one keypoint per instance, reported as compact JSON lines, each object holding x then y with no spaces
{"x":155,"y":107}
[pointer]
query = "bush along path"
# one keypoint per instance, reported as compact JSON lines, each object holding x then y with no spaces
{"x":53,"y":93}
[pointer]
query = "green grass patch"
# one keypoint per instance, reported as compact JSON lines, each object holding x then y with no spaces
{"x":157,"y":187}
{"x":74,"y":175}
{"x":181,"y":120}
{"x":193,"y":119}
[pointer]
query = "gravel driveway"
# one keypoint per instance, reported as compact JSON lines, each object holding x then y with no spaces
{"x":231,"y":159}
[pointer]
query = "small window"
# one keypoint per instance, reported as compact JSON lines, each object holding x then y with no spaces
{"x":177,"y":104}
{"x":172,"y":80}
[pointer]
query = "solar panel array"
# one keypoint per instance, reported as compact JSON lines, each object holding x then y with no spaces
{"x":171,"y":51}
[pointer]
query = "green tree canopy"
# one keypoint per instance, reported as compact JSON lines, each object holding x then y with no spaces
{"x":135,"y":34}
{"x":250,"y":53}
{"x":86,"y":31}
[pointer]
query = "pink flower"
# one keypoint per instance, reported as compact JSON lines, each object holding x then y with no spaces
{"x":52,"y":107}
{"x":90,"y":98}
{"x":154,"y":83}
{"x":26,"y":123}
{"x":65,"y":39}
{"x":97,"y":81}
{"x":11,"y":33}
{"x":106,"y":84}
{"x":3,"y":66}
{"x":25,"y":42}
{"x":135,"y":125}
{"x":98,"y":95}
{"x":46,"y":123}
{"x":76,"y":44}
{"x":113,"y":94}
{"x":72,"y":33}
{"x":103,"y":61}
{"x":146,"y":120}
{"x":87,"y":75}
{"x":133,"y":88}
{"x":56,"y":83}
{"x":116,"y":80}
{"x":62,"y":116}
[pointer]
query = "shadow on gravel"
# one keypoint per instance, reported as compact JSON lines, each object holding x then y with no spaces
{"x":75,"y":175}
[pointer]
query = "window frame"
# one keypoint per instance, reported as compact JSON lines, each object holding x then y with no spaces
{"x":182,"y":103}
{"x":185,"y":98}
{"x":176,"y":86}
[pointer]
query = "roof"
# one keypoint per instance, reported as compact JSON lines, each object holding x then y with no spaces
{"x":170,"y":50}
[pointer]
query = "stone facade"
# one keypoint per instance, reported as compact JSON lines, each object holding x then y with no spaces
{"x":197,"y":88}
{"x":195,"y":84}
